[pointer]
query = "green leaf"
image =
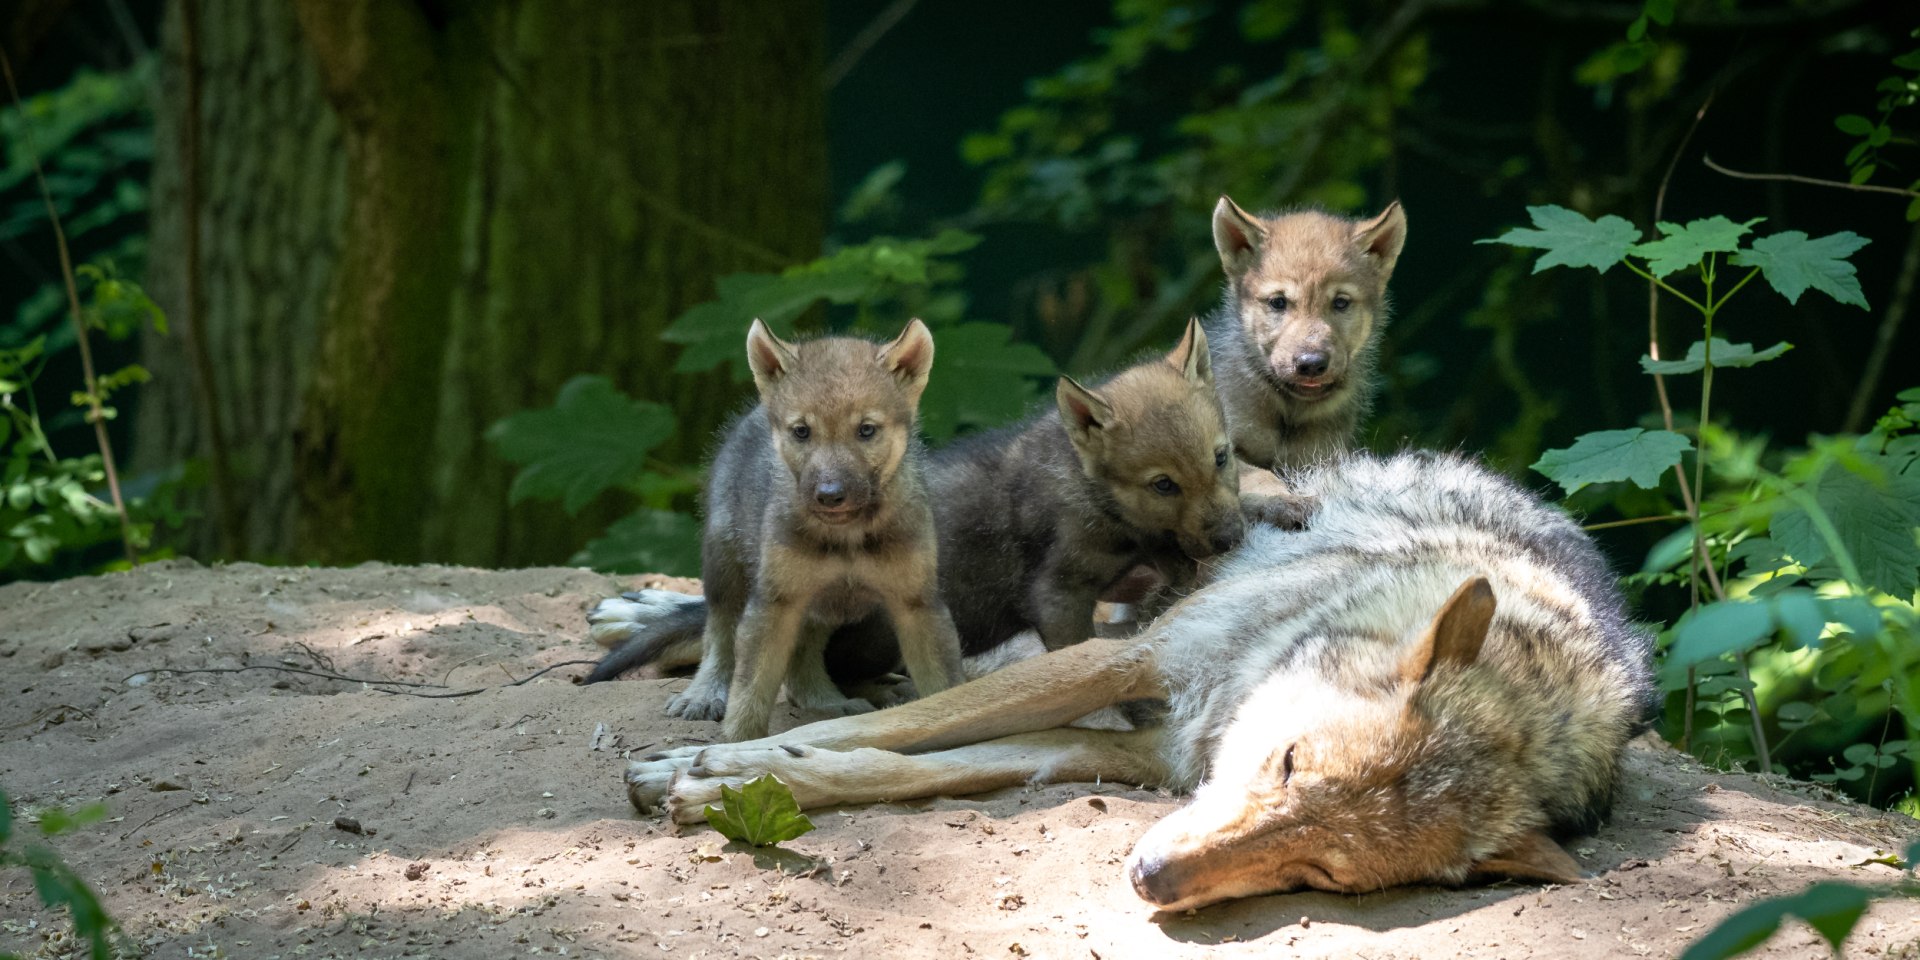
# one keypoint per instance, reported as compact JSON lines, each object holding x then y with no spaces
{"x":1609,"y":455}
{"x":646,"y":541}
{"x":762,"y":813}
{"x":1724,"y":355}
{"x":1637,"y":30}
{"x":1854,"y":124}
{"x":980,"y":378}
{"x":1875,"y":517}
{"x":1660,"y":11}
{"x":55,"y":821}
{"x":1730,"y":626}
{"x":1832,"y":909}
{"x":593,"y":438}
{"x":1572,"y":240}
{"x":1684,"y":247}
{"x":1792,"y":263}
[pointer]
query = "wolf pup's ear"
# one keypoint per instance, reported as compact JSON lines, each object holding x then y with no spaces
{"x":1456,"y":633}
{"x":1532,"y":856}
{"x":770,"y":357}
{"x":1189,"y":356}
{"x":1084,"y":412}
{"x":910,"y":356}
{"x":1238,"y":235}
{"x":1382,"y":237}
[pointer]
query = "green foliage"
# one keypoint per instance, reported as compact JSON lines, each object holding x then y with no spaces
{"x":1572,"y":240}
{"x":1864,"y":510}
{"x":762,"y":813}
{"x":1832,"y":909}
{"x":646,"y":541}
{"x":1793,"y":263}
{"x":1685,"y":246}
{"x":1642,"y":456}
{"x":49,"y":504}
{"x":1724,"y":355}
{"x":56,"y":883}
{"x":1874,"y":134}
{"x":593,"y":438}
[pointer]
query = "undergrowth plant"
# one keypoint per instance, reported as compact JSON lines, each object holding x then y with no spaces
{"x":1800,"y":565}
{"x":54,"y":882}
{"x":595,"y":439}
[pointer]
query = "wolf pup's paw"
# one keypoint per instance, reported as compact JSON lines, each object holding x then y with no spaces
{"x":614,"y":620}
{"x":698,"y":703}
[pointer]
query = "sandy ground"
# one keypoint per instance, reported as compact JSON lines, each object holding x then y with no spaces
{"x":494,"y":824}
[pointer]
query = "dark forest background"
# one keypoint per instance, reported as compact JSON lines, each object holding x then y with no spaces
{"x":389,"y":238}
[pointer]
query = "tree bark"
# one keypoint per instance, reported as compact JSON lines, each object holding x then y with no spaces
{"x":529,"y":191}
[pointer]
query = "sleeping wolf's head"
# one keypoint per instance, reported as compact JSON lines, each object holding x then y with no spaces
{"x":1154,"y":441}
{"x":844,"y":414}
{"x":1402,"y":765}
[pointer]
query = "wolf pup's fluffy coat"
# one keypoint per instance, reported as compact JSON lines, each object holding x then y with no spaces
{"x":817,"y":516}
{"x":1037,"y":520}
{"x":1295,"y":337}
{"x":1431,"y":682}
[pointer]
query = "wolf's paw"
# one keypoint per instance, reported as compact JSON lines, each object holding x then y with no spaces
{"x":890,"y":691}
{"x":647,"y":780}
{"x":698,"y":702}
{"x":698,"y":784}
{"x":614,"y":620}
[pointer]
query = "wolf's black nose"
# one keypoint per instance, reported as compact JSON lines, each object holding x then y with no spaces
{"x":1310,"y":364}
{"x":1151,"y":882}
{"x":1224,"y":540}
{"x":830,"y":494}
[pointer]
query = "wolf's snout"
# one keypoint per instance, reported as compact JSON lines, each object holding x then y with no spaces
{"x":1152,"y":880}
{"x":1311,"y":363}
{"x":1226,"y":538}
{"x":831,"y":494}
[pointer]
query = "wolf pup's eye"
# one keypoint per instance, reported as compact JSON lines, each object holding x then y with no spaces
{"x":801,"y":431}
{"x":1278,"y":302}
{"x":1342,"y":302}
{"x":1286,"y":764}
{"x":1220,"y":458}
{"x":1165,"y":486}
{"x":867,"y":430}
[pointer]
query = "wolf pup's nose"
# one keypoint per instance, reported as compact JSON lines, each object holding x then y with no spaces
{"x":830,"y":494}
{"x":1226,"y":539}
{"x":1310,"y":364}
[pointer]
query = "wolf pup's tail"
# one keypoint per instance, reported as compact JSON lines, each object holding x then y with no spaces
{"x":645,"y":626}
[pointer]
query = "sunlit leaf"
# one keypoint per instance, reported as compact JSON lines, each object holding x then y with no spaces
{"x":1685,"y":246}
{"x":761,"y":813}
{"x":1792,"y":263}
{"x":1608,"y":455}
{"x":1724,"y":355}
{"x":1875,"y":518}
{"x":592,"y":439}
{"x":1570,"y":239}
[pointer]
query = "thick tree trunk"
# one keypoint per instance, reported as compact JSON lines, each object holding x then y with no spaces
{"x":532,"y":190}
{"x":272,"y":176}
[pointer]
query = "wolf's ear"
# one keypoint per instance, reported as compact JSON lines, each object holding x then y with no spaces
{"x":770,"y":357}
{"x":1382,"y":237}
{"x":1189,"y":356}
{"x":1084,"y":412}
{"x":1456,"y":633}
{"x":1532,"y":856}
{"x":910,"y":355}
{"x":1237,"y":235}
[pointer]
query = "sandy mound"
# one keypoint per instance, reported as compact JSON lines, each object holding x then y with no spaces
{"x":493,"y":827}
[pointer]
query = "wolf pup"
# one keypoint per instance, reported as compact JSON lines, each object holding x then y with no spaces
{"x":1295,"y":338}
{"x":1038,"y":520}
{"x":817,"y":516}
{"x":1432,"y":682}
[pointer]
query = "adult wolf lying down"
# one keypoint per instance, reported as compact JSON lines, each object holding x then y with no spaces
{"x":1431,"y":682}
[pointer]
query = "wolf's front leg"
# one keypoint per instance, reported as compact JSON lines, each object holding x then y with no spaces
{"x":928,"y":641}
{"x":1037,"y":694}
{"x":706,"y":697}
{"x":821,"y":778}
{"x":763,"y":652}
